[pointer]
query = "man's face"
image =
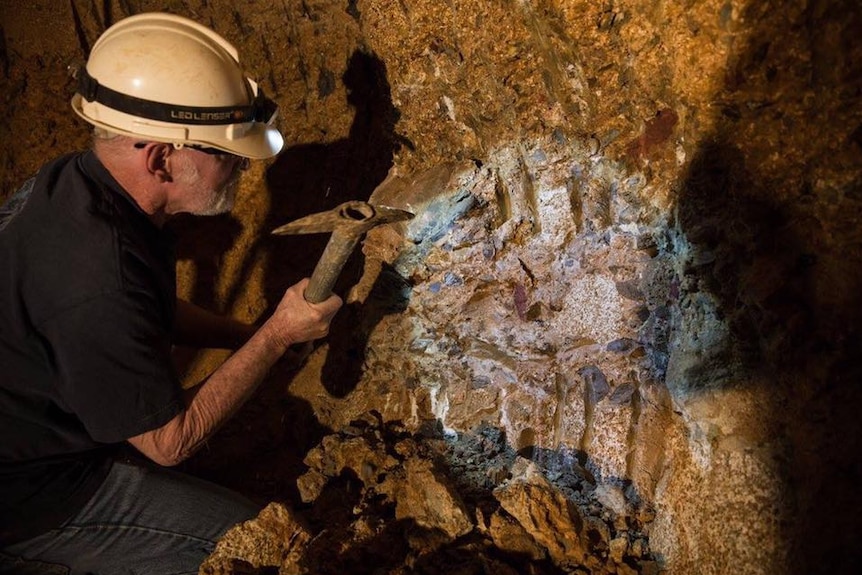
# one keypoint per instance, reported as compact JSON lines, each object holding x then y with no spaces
{"x":209,"y":180}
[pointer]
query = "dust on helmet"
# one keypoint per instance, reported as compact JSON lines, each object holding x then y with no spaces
{"x":169,"y":79}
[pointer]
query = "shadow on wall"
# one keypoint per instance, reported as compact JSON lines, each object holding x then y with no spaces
{"x":747,"y":252}
{"x":760,"y":261}
{"x":205,"y":241}
{"x":308,"y":179}
{"x":313,"y":178}
{"x":777,"y":248}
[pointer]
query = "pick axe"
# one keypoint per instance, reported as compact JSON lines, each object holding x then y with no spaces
{"x":347,"y":222}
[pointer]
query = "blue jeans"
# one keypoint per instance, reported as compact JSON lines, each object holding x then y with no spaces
{"x":143,"y":520}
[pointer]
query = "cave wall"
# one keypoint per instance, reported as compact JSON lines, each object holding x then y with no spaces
{"x":636,"y":244}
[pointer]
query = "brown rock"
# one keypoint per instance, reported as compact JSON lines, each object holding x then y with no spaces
{"x":424,"y":495}
{"x":545,"y":514}
{"x":275,"y":538}
{"x":509,"y":535}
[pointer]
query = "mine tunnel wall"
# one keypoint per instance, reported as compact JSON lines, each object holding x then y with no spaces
{"x":636,"y":243}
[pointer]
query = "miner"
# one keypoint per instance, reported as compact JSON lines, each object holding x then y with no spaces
{"x":89,"y":313}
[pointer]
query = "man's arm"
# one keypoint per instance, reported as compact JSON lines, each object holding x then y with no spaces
{"x":221,"y":395}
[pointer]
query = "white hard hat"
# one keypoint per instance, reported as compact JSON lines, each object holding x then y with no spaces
{"x":169,"y":79}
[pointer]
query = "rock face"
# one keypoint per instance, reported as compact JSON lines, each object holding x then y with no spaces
{"x":630,"y":291}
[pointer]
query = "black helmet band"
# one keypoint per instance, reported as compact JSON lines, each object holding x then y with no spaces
{"x":261,"y":110}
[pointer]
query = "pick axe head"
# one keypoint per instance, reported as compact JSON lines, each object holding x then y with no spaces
{"x":347,"y":223}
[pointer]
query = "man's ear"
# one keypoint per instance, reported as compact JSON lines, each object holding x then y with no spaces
{"x":157,"y":161}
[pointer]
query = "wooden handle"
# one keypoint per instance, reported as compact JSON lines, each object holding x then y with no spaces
{"x":326,"y":272}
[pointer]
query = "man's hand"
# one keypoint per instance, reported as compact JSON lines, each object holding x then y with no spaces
{"x":295,"y":320}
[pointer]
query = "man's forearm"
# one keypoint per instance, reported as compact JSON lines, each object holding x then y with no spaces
{"x":212,"y":403}
{"x":295,"y":320}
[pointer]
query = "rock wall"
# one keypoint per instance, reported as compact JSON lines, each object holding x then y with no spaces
{"x":636,"y":249}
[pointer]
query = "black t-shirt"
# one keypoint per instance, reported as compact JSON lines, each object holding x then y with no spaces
{"x":87,"y":302}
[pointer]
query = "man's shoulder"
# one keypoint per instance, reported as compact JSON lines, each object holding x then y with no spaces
{"x":63,"y":224}
{"x":63,"y":244}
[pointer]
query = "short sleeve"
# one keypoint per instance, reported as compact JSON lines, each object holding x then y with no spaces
{"x":112,"y":354}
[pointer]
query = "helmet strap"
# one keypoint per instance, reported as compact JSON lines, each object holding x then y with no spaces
{"x":262,"y":109}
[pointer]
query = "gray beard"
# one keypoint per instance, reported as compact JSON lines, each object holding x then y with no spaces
{"x":222,"y":203}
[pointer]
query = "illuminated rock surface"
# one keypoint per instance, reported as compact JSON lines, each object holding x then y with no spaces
{"x":620,"y":335}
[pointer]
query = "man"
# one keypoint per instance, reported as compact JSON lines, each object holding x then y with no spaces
{"x":88,"y":312}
